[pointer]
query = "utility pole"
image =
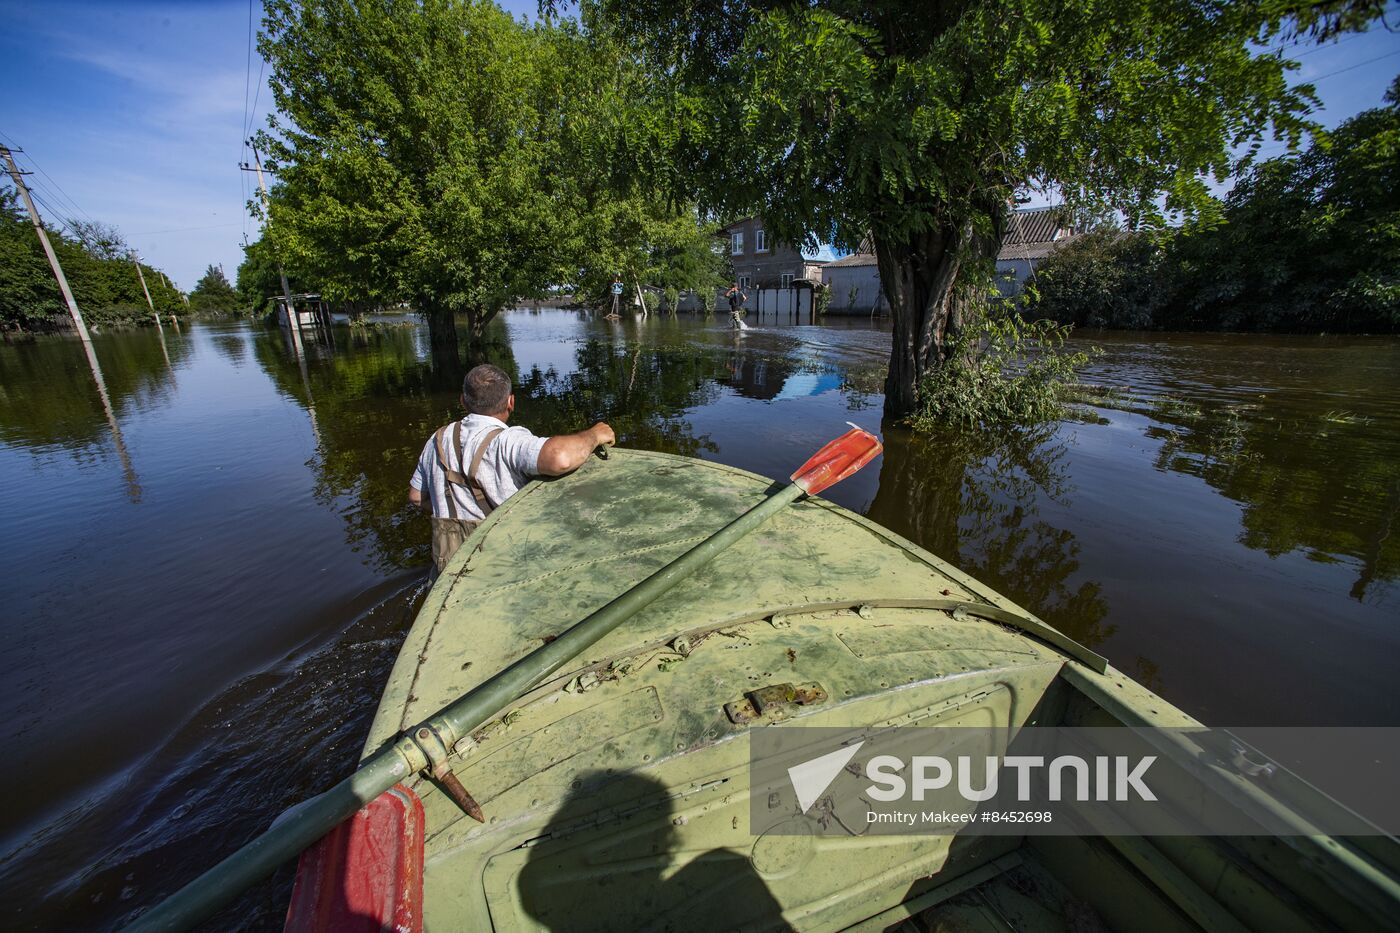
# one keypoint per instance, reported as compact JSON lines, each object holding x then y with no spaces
{"x":171,"y":288}
{"x":18,"y":176}
{"x":292,"y":321}
{"x":132,"y":483}
{"x":149,"y":303}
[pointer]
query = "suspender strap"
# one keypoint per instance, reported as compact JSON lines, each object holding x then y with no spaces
{"x":450,"y":475}
{"x":455,"y":477}
{"x":478,"y":493}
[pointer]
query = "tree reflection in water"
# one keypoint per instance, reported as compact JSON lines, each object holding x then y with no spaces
{"x":378,"y":404}
{"x":642,"y":391}
{"x":971,"y":499}
{"x":1300,"y":492}
{"x":48,"y":397}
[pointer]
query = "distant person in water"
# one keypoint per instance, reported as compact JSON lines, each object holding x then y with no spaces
{"x":468,"y":468}
{"x":736,"y":297}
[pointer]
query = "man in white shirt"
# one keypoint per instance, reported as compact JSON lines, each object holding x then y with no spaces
{"x":470,"y":467}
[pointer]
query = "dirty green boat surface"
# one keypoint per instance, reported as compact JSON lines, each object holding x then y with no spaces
{"x":616,"y":792}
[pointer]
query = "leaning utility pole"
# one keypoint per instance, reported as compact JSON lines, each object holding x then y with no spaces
{"x":18,"y":176}
{"x":149,"y":303}
{"x":293,"y":322}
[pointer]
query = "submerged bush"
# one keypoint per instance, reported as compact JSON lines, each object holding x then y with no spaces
{"x":1004,"y":370}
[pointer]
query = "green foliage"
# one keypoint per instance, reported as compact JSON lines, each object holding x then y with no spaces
{"x":98,"y":268}
{"x":1307,"y":243}
{"x":645,"y":244}
{"x":259,"y":281}
{"x":914,"y":124}
{"x":852,"y":116}
{"x":213,"y":292}
{"x":1104,"y":278}
{"x":1009,"y":371}
{"x":821,"y":299}
{"x":29,"y":297}
{"x":418,"y":147}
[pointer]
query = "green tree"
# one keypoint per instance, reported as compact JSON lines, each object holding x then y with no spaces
{"x":98,"y":267}
{"x":916,"y":124}
{"x":415,"y":145}
{"x":213,"y":292}
{"x":648,"y":244}
{"x":259,"y":279}
{"x":1304,"y":243}
{"x":1308,"y":243}
{"x":29,"y":297}
{"x":1104,"y":278}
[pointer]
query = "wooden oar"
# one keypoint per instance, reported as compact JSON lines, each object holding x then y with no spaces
{"x":427,"y":747}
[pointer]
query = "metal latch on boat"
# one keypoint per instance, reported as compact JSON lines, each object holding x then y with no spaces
{"x":776,"y":701}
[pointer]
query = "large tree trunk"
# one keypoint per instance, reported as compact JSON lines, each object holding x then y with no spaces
{"x":479,"y":349}
{"x":918,"y":273}
{"x":442,"y":338}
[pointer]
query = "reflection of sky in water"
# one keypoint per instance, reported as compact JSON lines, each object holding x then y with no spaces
{"x":805,"y":384}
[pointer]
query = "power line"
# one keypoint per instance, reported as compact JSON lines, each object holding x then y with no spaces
{"x":1368,"y":61}
{"x":247,"y":70}
{"x":62,"y":196}
{"x":77,"y":207}
{"x":243,"y":137}
{"x":252,"y":118}
{"x":1322,"y":48}
{"x":55,"y":217}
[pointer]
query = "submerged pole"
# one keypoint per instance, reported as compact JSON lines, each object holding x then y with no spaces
{"x":34,"y":218}
{"x":429,"y":744}
{"x":136,"y":261}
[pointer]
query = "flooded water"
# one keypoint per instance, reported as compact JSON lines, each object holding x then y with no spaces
{"x":203,"y":593}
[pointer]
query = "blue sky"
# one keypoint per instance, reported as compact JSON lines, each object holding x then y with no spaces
{"x":135,"y":114}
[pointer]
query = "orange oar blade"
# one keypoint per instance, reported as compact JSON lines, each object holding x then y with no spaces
{"x":837,"y":460}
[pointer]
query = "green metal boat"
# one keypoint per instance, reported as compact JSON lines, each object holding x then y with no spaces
{"x":615,"y":793}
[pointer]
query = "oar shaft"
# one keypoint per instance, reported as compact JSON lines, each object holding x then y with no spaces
{"x":480,"y":704}
{"x":293,"y":832}
{"x":309,"y":821}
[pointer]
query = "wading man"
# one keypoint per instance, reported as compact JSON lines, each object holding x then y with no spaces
{"x":737,"y":297}
{"x":469,"y":467}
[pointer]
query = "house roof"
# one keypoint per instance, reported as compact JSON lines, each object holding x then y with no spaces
{"x":1011,"y":251}
{"x":855,"y":259}
{"x":823,"y":253}
{"x":1034,"y":233}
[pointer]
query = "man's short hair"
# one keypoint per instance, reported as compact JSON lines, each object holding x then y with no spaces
{"x":485,"y":390}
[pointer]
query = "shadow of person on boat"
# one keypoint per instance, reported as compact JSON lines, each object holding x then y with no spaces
{"x":608,"y":861}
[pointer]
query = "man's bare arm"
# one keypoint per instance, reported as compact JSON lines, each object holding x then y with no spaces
{"x":566,"y":452}
{"x":415,"y":498}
